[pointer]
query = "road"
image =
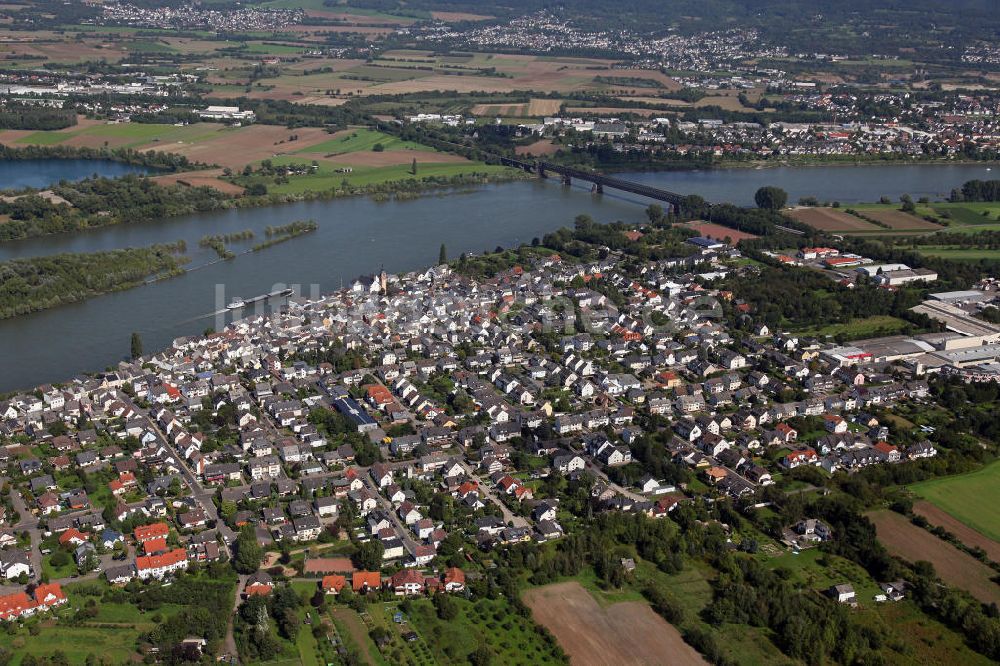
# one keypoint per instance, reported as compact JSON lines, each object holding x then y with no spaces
{"x":404,"y":533}
{"x":509,"y":517}
{"x":199,"y":492}
{"x":599,"y":473}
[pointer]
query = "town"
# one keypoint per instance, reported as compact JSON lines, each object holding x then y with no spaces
{"x":423,"y":414}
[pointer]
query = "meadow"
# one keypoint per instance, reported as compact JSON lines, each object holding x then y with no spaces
{"x":971,"y":498}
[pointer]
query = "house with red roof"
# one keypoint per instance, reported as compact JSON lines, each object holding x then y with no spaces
{"x":259,"y":584}
{"x":406,"y":582}
{"x":72,"y":537}
{"x":19,"y":604}
{"x":145,"y":533}
{"x":154,"y":546}
{"x":803,"y":456}
{"x":888,"y":451}
{"x":454,"y":579}
{"x":333,"y":584}
{"x":363,"y":581}
{"x":158,"y":566}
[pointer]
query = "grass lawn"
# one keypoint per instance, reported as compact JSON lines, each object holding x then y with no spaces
{"x":971,"y":498}
{"x":55,"y":572}
{"x":876,"y":325}
{"x":76,"y":643}
{"x":363,"y":139}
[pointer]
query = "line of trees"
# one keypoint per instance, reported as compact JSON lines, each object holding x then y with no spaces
{"x":24,"y":117}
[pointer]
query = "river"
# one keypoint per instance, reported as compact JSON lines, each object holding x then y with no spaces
{"x":358,"y":236}
{"x":18,"y":174}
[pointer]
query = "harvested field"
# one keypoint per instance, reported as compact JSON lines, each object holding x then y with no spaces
{"x":533,"y":108}
{"x":906,"y":540}
{"x":459,"y":16}
{"x":831,"y":219}
{"x":719,"y":232}
{"x":623,"y":633}
{"x":240,"y":147}
{"x":538,"y":148}
{"x":965,"y":534}
{"x":206,"y":178}
{"x":544,"y":107}
{"x":667,"y":82}
{"x":508,"y":110}
{"x":612,"y":111}
{"x":897,"y":219}
{"x":359,"y":19}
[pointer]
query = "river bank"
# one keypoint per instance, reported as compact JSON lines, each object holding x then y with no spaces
{"x":358,"y":236}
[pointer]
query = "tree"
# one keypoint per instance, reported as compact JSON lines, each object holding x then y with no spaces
{"x":771,"y":198}
{"x":136,"y":345}
{"x":482,"y":656}
{"x":443,"y":255}
{"x":248,"y":552}
{"x":446,"y":607}
{"x":655,"y":213}
{"x":413,"y":167}
{"x":369,"y":555}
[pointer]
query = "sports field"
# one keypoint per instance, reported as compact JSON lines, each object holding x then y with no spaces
{"x":973,"y":499}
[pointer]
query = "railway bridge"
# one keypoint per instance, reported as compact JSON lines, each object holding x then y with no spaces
{"x":600,"y":181}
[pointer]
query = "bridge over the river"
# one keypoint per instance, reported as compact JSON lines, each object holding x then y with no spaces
{"x":600,"y":181}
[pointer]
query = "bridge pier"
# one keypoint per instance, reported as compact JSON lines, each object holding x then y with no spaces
{"x":675,"y":208}
{"x":566,"y":180}
{"x":598,"y":188}
{"x":541,"y":171}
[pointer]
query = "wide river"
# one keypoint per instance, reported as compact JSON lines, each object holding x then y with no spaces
{"x":358,"y":236}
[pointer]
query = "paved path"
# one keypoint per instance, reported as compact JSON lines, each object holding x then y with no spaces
{"x":508,"y":516}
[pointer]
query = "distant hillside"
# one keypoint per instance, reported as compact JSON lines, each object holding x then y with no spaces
{"x":816,"y":24}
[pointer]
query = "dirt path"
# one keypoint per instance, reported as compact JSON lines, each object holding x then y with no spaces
{"x":623,"y":633}
{"x":359,"y":634}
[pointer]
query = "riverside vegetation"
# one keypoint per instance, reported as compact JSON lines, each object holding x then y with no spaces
{"x":38,"y":283}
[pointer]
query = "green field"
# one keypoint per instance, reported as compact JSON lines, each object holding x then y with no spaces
{"x":363,"y":139}
{"x":969,"y":213}
{"x":958,"y":253}
{"x":47,"y":137}
{"x":858,"y":329}
{"x":971,"y":498}
{"x":131,"y":135}
{"x":326,"y":177}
